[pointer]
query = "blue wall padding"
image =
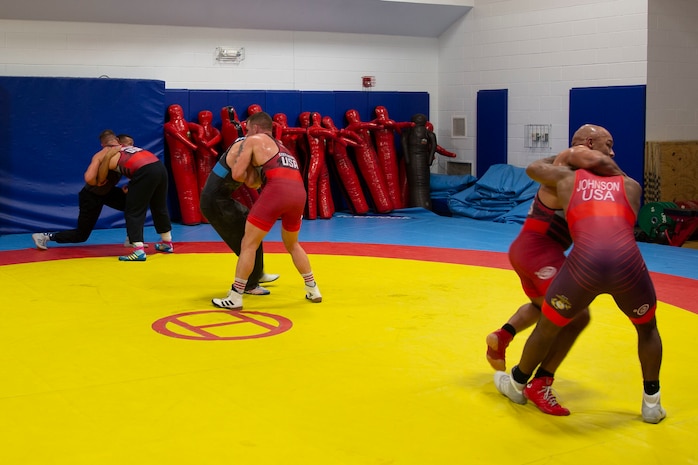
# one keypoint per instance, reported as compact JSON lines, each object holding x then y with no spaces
{"x":401,"y":105}
{"x":621,"y":110}
{"x":49,"y":130}
{"x":287,"y":102}
{"x":178,"y":96}
{"x":241,"y":99}
{"x":346,"y":100}
{"x":492,"y":133}
{"x":205,"y":100}
{"x":321,"y":101}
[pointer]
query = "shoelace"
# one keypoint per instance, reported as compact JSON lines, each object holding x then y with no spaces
{"x":549,"y":395}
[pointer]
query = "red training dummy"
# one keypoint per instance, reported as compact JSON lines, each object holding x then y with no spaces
{"x":207,"y":138}
{"x":367,"y":161}
{"x":337,"y":150}
{"x":231,"y":128}
{"x":319,"y":192}
{"x":384,"y":136}
{"x":181,"y":151}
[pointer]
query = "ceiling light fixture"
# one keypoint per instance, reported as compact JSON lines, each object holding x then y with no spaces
{"x":230,"y":55}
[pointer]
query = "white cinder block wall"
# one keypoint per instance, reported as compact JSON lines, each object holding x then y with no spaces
{"x":672,"y":73}
{"x":184,"y":57}
{"x":538,"y":49}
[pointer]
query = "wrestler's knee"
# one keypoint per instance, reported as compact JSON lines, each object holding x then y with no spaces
{"x":647,"y":326}
{"x":582,"y":320}
{"x":547,"y":328}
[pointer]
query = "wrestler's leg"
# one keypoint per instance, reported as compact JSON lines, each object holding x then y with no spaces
{"x":640,"y":304}
{"x":537,"y":346}
{"x":298,"y":254}
{"x":250,"y":243}
{"x":564,"y":301}
{"x":228,"y":218}
{"x":90,"y":207}
{"x":246,"y":262}
{"x":137,"y":201}
{"x":649,"y":348}
{"x":116,"y":199}
{"x":535,"y":259}
{"x":497,"y":341}
{"x":158,"y":202}
{"x":258,"y":269}
{"x":564,"y":342}
{"x":301,"y":262}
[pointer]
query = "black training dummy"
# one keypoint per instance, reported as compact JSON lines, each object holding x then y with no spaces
{"x":419,"y":147}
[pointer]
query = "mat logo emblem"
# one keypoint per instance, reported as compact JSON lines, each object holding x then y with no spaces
{"x":221,"y":325}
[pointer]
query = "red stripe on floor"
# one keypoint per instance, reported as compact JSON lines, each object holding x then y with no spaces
{"x":678,"y":291}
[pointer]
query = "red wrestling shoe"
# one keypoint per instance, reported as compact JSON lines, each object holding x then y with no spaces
{"x":497,"y":343}
{"x":540,"y":392}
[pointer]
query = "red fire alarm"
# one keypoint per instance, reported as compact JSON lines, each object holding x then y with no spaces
{"x":368,"y":81}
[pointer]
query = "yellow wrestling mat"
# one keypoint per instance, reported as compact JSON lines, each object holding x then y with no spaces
{"x":107,"y":362}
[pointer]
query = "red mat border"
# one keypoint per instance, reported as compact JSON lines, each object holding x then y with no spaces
{"x":675,"y":290}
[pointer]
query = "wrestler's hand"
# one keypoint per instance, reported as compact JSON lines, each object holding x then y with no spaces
{"x":253,"y":179}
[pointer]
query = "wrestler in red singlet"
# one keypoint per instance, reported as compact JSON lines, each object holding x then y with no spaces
{"x":147,"y":188}
{"x":283,"y":193}
{"x":538,"y":251}
{"x":259,"y":160}
{"x":133,"y":158}
{"x":605,"y":258}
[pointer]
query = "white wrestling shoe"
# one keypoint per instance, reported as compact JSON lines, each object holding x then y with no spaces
{"x":505,"y":385}
{"x":233,"y":301}
{"x":313,"y":294}
{"x":267,"y":278}
{"x":652,"y":411}
{"x":40,"y":240}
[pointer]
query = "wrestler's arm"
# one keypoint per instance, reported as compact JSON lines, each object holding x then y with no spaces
{"x":546,"y":173}
{"x":582,"y":157}
{"x":93,"y":168}
{"x":108,"y":162}
{"x":240,"y":158}
{"x":633,"y":192}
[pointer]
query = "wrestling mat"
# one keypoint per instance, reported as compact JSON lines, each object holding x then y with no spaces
{"x":106,"y":362}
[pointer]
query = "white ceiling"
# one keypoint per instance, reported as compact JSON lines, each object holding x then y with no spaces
{"x":417,"y":18}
